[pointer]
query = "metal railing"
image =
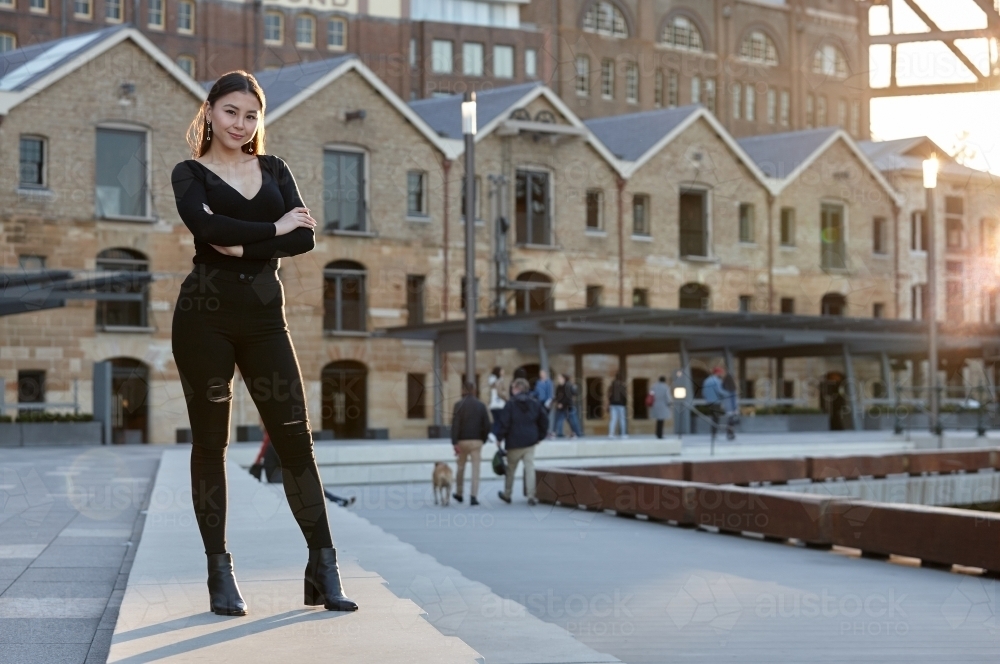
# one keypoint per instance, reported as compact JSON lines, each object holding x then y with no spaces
{"x":39,"y":405}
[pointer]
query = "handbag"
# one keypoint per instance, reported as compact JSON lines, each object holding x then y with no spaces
{"x":650,"y":399}
{"x":500,"y":463}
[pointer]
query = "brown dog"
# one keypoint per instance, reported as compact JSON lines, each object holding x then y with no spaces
{"x":442,"y":480}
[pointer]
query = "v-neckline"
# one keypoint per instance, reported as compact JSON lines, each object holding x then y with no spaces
{"x":224,"y":181}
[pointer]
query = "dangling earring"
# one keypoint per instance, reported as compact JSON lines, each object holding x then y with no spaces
{"x":209,"y":137}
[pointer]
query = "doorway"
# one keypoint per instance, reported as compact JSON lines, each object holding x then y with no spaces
{"x":345,"y":399}
{"x":129,"y":401}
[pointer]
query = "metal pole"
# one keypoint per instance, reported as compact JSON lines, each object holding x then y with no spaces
{"x":470,"y":252}
{"x":931,"y":314}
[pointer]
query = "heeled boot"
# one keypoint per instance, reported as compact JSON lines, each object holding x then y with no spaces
{"x":223,"y":592}
{"x":322,"y":582}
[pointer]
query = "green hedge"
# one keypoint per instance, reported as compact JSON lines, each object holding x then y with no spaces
{"x":43,"y":416}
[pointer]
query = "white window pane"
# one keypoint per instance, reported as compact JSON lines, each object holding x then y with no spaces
{"x":441,"y":57}
{"x":472,"y":59}
{"x":503,"y":61}
{"x":121,"y":173}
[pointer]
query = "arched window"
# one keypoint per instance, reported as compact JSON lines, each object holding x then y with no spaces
{"x":694,"y":296}
{"x":344,"y":307}
{"x":830,"y":61}
{"x":758,"y":47}
{"x":681,"y":32}
{"x":123,"y":312}
{"x":604,"y":18}
{"x":834,"y":304}
{"x":533,"y":292}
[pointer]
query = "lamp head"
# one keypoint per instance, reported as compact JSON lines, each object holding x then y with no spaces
{"x":931,"y":167}
{"x":469,"y":113}
{"x":680,"y":392}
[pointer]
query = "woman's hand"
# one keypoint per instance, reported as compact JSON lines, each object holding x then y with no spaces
{"x":294,"y":218}
{"x":236,"y":250}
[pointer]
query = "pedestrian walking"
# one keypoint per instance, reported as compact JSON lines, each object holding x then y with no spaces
{"x":497,"y":390}
{"x":617,"y":403}
{"x":565,"y":407}
{"x":521,"y":425}
{"x":713,"y":392}
{"x":661,"y":404}
{"x":470,"y":427}
{"x":545,"y":394}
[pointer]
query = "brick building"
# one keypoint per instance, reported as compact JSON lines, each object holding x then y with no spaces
{"x":762,"y":66}
{"x":661,"y":208}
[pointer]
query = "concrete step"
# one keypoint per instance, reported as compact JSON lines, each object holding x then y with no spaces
{"x":164,"y":614}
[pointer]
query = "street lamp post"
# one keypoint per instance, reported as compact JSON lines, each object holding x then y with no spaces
{"x":930,"y":183}
{"x":469,"y":131}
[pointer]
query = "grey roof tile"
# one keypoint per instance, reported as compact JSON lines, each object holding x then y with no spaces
{"x":778,"y":155}
{"x":22,"y":67}
{"x":281,"y":84}
{"x":632,"y":135}
{"x":444,"y":114}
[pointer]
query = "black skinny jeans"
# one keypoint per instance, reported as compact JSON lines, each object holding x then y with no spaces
{"x":223,"y":320}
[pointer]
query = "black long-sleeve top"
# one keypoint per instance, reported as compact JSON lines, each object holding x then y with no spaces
{"x":237,"y":220}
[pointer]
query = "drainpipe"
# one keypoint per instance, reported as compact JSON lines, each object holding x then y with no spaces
{"x":446,"y":167}
{"x":770,"y":253}
{"x":620,"y":184}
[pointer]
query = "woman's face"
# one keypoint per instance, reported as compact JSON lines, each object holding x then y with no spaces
{"x":234,"y":119}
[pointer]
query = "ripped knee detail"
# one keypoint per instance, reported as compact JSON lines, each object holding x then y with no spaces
{"x":219,"y":392}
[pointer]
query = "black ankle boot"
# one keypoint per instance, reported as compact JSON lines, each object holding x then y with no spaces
{"x":322,"y":583}
{"x":222,"y":589}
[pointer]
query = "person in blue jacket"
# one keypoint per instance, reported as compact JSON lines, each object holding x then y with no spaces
{"x":545,"y":393}
{"x":717,"y":398}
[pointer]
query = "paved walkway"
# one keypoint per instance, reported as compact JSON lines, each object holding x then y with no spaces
{"x":69,"y":521}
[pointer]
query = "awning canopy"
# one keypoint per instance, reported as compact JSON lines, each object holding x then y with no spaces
{"x":642,"y":331}
{"x":27,"y":291}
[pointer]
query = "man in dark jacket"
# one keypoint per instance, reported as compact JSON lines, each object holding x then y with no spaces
{"x":522,"y":423}
{"x":618,"y":400}
{"x":470,"y":427}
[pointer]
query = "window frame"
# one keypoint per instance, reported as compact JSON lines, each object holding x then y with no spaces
{"x":772,"y":106}
{"x":337,"y":274}
{"x":767,"y":46}
{"x":531,"y":55}
{"x":436,"y":57}
{"x":280,"y":16}
{"x":469,"y":58}
{"x":710,"y":94}
{"x":8,"y":4}
{"x":668,"y":35}
{"x":301,"y":19}
{"x":550,"y":196}
{"x":599,"y":193}
{"x":746,"y":215}
{"x":844,"y":225}
{"x":596,"y":29}
{"x":191,"y":59}
{"x":415,"y":300}
{"x":673,"y":88}
{"x":44,"y":163}
{"x":148,"y":202}
{"x":342,"y":22}
{"x":88,"y":15}
{"x":423,"y":213}
{"x":631,"y":82}
{"x":736,"y":94}
{"x":608,"y":79}
{"x":162,"y":10}
{"x":880,"y":238}
{"x":100,"y":309}
{"x":365,"y":188}
{"x":643,"y":201}
{"x":706,"y":194}
{"x":506,"y":48}
{"x":584,"y":77}
{"x":44,"y":9}
{"x":108,"y":4}
{"x":786,"y":239}
{"x":189,"y":30}
{"x":750,"y":101}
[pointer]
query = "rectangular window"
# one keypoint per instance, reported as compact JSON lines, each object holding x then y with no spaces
{"x":81,"y":8}
{"x":954,"y":210}
{"x":594,"y":296}
{"x":788,"y":305}
{"x":640,"y":297}
{"x":582,"y":75}
{"x":415,"y":299}
{"x":595,"y":209}
{"x":810,"y":111}
{"x":746,"y":303}
{"x":640,"y":214}
{"x":336,"y":38}
{"x":785,"y":108}
{"x":413,"y":52}
{"x":608,"y":79}
{"x":710,"y":94}
{"x":632,"y":83}
{"x":693,"y":223}
{"x":533,"y":208}
{"x":274,"y":27}
{"x":32,"y":173}
{"x":879,"y":237}
{"x":503,"y":61}
{"x":305,"y":31}
{"x":38,"y":6}
{"x":185,"y":17}
{"x":122,"y":185}
{"x":113,"y":10}
{"x":640,"y":388}
{"x":856,"y":119}
{"x":772,"y":106}
{"x":472,"y":59}
{"x":530,"y":63}
{"x":30,"y":388}
{"x":788,"y":226}
{"x":918,"y":232}
{"x":415,"y":396}
{"x":595,"y":397}
{"x":821,"y":111}
{"x":737,"y":93}
{"x":746,"y":222}
{"x":842,"y":113}
{"x":751,"y":96}
{"x":832,"y":236}
{"x":345,"y":205}
{"x":122,"y":313}
{"x":416,"y":194}
{"x":918,"y":297}
{"x":155,"y":13}
{"x":695,"y":90}
{"x":673,"y":89}
{"x":441,"y":56}
{"x":344,"y":307}
{"x":186,"y":62}
{"x":658,"y":89}
{"x":878,"y":310}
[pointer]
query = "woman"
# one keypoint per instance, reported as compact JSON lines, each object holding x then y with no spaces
{"x":244,"y":210}
{"x":661,"y":404}
{"x":497,"y":402}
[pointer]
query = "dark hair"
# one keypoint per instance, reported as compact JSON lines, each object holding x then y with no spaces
{"x":234,"y":81}
{"x":663,"y":379}
{"x":469,"y":389}
{"x":496,"y":371}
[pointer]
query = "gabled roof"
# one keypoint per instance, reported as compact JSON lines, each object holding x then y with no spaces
{"x":908,"y":154}
{"x":785,"y":156}
{"x":26,"y":71}
{"x":636,"y":138}
{"x":493,"y":107}
{"x":287,"y":87}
